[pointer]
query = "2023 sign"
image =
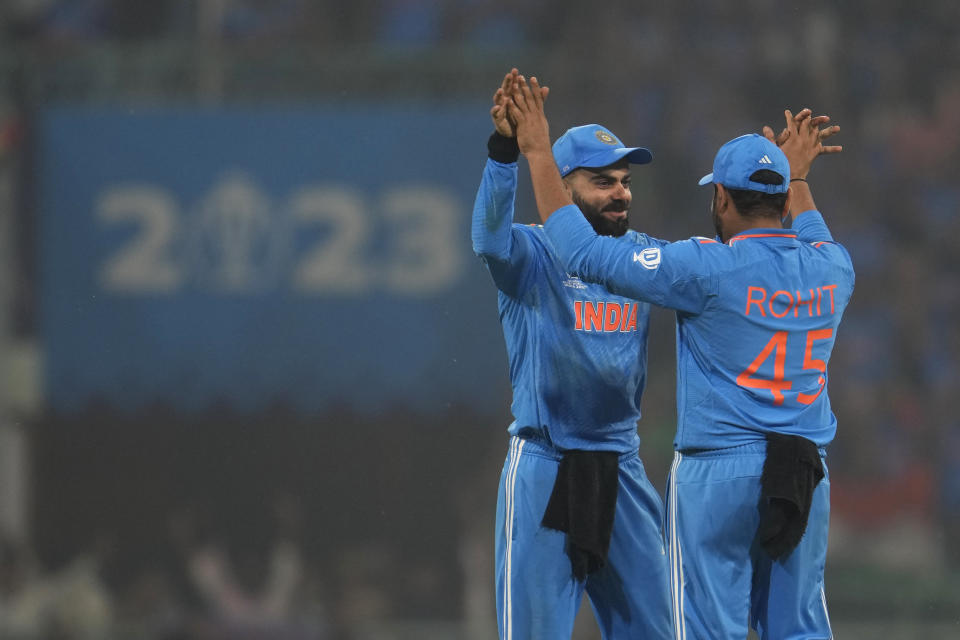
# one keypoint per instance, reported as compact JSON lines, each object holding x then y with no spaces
{"x":321,"y":239}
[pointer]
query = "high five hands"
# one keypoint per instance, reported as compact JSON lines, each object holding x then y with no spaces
{"x":525,"y":109}
{"x":802,"y":140}
{"x":501,"y":100}
{"x":524,"y":112}
{"x":518,"y":112}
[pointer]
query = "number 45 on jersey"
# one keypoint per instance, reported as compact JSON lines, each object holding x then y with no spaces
{"x":777,"y":348}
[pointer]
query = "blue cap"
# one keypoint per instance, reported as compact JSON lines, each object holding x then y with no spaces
{"x":593,"y":146}
{"x":737,"y":160}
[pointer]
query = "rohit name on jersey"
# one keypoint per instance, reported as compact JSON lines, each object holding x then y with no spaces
{"x":781,"y":302}
{"x":605,"y":316}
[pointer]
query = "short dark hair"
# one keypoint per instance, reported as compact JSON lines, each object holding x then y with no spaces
{"x":756,"y":204}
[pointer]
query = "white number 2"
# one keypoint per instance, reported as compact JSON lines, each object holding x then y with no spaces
{"x":144,"y":264}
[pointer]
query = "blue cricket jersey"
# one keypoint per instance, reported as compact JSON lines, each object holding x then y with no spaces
{"x":578,"y":353}
{"x":756,"y":321}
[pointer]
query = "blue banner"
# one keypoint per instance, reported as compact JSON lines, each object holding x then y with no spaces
{"x":309,"y":257}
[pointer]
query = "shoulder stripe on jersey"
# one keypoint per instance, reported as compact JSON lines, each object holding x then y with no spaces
{"x":821,"y":243}
{"x":708,"y":241}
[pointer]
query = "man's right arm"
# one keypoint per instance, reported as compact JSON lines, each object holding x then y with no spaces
{"x":506,"y":251}
{"x":494,"y":205}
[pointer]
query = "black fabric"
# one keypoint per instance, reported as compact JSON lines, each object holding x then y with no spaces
{"x":791,"y":472}
{"x":503,"y":149}
{"x":582,"y":504}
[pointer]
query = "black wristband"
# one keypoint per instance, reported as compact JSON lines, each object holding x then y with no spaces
{"x":502,"y":149}
{"x":798,"y":179}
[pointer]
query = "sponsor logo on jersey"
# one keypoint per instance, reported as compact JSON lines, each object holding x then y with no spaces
{"x":605,"y":316}
{"x":574,"y":283}
{"x":648,"y":258}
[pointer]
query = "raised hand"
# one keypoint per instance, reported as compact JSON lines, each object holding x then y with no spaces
{"x":526,"y":110}
{"x":802,"y":140}
{"x":785,"y":133}
{"x":533,"y":137}
{"x":499,"y":113}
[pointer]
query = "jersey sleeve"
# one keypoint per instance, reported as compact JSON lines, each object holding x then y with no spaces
{"x":673,"y":275}
{"x":644,"y":239}
{"x":507,"y":252}
{"x":811,"y":227}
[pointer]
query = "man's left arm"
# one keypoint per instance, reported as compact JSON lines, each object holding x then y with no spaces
{"x":533,"y":137}
{"x":802,"y":141}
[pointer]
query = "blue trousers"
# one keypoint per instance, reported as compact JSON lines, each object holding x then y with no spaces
{"x":537,"y":595}
{"x":721,"y":580}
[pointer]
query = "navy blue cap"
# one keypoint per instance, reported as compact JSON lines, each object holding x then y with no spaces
{"x":738,"y":159}
{"x":593,"y":146}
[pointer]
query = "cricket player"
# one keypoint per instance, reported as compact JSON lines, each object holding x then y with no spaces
{"x":758,"y":310}
{"x":575,"y":510}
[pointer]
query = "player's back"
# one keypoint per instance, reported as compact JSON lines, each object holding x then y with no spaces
{"x":755,"y":358}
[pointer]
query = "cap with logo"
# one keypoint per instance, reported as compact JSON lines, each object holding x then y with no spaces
{"x":593,"y":146}
{"x":740,"y":158}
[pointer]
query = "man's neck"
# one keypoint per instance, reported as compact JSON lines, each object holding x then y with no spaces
{"x":742,"y":224}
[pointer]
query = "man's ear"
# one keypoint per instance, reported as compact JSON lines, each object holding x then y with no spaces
{"x":785,"y":214}
{"x":723,"y":200}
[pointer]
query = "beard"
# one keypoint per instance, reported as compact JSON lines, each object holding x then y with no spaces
{"x":601,"y":224}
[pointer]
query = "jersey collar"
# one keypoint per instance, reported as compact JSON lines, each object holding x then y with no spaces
{"x":761,"y":234}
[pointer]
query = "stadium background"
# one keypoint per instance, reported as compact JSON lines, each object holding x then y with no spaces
{"x":253,"y":380}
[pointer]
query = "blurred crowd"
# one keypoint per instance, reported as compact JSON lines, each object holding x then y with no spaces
{"x":223,"y":527}
{"x":193,"y":587}
{"x":244,"y":528}
{"x":680,"y":78}
{"x":420,"y":23}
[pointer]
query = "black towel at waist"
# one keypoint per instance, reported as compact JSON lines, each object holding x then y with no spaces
{"x":583,"y":504}
{"x":791,"y":472}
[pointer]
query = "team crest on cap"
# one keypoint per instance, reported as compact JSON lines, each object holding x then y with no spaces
{"x":605,"y":137}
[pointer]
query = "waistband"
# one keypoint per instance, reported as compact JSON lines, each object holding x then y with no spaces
{"x":758,"y":447}
{"x":539,"y":447}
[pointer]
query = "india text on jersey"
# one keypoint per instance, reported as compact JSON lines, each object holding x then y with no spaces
{"x":605,"y":316}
